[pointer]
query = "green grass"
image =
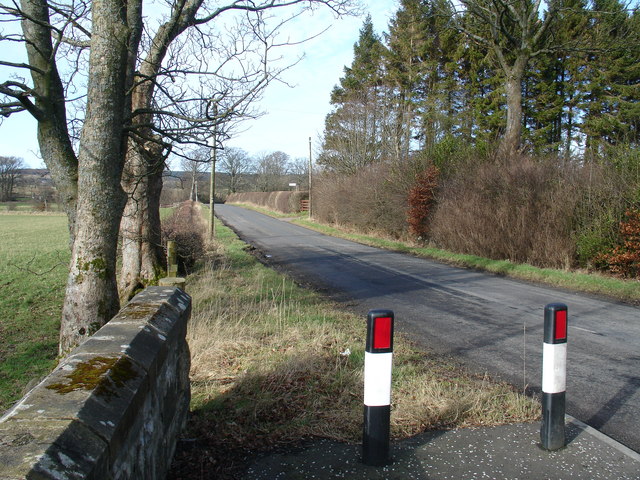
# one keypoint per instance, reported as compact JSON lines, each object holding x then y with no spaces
{"x":34,"y":255}
{"x":16,"y":206}
{"x":588,"y":282}
{"x":28,"y":205}
{"x":165,"y":212}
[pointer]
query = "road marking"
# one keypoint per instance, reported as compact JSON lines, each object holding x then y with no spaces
{"x":585,"y":330}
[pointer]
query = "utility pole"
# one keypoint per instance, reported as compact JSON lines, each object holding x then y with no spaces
{"x":310,"y":170}
{"x":212,"y":178}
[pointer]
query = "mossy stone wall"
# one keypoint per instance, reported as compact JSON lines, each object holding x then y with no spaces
{"x":114,"y":407}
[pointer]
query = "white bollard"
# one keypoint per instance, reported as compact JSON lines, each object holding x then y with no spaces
{"x":378,"y":363}
{"x":554,"y":376}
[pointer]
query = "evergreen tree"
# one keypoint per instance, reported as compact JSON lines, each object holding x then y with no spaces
{"x":612,"y":73}
{"x":552,"y":85}
{"x":353,"y":130}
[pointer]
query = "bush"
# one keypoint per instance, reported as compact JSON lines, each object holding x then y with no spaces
{"x":40,"y":206}
{"x":185,"y":227}
{"x":371,"y":200}
{"x":624,"y":259}
{"x":171,"y":196}
{"x":549,"y":212}
{"x":517,"y":209}
{"x":605,"y":194}
{"x":421,"y":201}
{"x":282,"y":201}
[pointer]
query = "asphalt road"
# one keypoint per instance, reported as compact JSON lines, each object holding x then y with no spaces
{"x":488,"y":322}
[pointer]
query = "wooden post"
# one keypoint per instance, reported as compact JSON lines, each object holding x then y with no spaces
{"x":212,"y":178}
{"x":310,"y":170}
{"x":172,"y":259}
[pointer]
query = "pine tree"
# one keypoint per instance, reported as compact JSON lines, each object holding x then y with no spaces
{"x":353,"y":130}
{"x":421,"y":69}
{"x":612,"y":75}
{"x":552,"y":85}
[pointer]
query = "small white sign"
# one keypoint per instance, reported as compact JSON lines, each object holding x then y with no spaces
{"x":293,"y":184}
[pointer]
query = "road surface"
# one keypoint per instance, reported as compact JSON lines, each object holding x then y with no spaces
{"x":489,"y":322}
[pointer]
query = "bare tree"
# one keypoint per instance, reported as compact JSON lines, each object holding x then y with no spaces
{"x":299,"y":171}
{"x":9,"y":173}
{"x":236,"y":163}
{"x":194,"y":167}
{"x":271,"y":171}
{"x":118,"y":112}
{"x":182,"y":94}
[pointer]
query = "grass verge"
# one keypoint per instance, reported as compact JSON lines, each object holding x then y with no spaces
{"x":274,"y":364}
{"x":587,"y":282}
{"x":271,"y":213}
{"x":34,"y":255}
{"x":594,"y":283}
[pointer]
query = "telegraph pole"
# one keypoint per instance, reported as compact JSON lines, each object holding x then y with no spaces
{"x":310,"y":171}
{"x":212,"y":178}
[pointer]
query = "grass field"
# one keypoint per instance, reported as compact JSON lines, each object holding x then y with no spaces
{"x":33,"y":269}
{"x":27,"y":205}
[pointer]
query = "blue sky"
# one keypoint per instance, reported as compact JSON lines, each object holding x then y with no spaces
{"x":295,"y":114}
{"x":292,"y":114}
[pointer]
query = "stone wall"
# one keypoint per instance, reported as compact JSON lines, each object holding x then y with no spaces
{"x":114,"y":407}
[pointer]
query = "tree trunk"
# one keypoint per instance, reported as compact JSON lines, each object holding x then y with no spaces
{"x":140,"y":229}
{"x":142,"y":256}
{"x":142,"y":259}
{"x":512,"y":138}
{"x":58,"y":155}
{"x":53,"y":136}
{"x":91,"y":297}
{"x":192,"y":193}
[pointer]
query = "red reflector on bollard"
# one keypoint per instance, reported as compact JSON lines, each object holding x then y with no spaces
{"x":382,"y":333}
{"x":561,"y":325}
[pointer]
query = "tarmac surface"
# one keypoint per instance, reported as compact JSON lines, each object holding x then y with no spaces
{"x":504,"y":452}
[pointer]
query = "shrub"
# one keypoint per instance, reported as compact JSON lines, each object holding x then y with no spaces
{"x":40,"y":206}
{"x":421,"y":200}
{"x":171,"y":196}
{"x":281,"y":201}
{"x":371,"y":200}
{"x":185,"y":227}
{"x":518,"y":209}
{"x":624,"y":259}
{"x":605,"y":194}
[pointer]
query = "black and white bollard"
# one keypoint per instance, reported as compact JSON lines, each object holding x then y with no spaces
{"x":554,"y":376}
{"x":378,"y":361}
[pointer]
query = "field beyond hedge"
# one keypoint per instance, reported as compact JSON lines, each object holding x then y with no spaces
{"x":34,"y":255}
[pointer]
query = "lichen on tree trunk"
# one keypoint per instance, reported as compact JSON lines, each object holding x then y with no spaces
{"x":140,"y":230}
{"x":91,"y":296}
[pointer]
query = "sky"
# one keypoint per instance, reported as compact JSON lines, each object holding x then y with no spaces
{"x":292,"y":113}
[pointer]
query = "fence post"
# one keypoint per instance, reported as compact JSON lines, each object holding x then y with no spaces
{"x":172,"y":261}
{"x":554,"y":376}
{"x":378,"y":361}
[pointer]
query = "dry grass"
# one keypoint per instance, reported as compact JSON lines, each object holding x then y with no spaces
{"x":286,"y":202}
{"x":269,"y":368}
